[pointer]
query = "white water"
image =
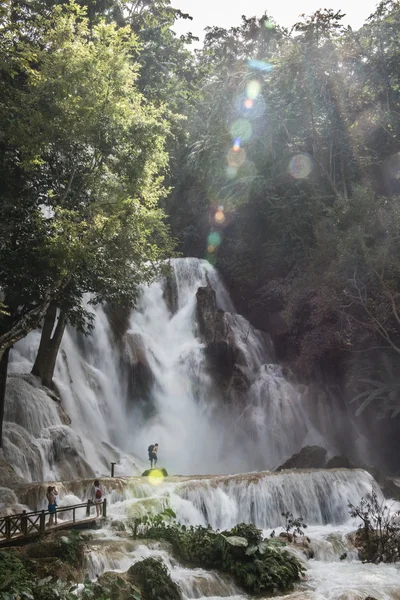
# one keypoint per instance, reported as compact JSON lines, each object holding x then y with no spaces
{"x":224,"y":501}
{"x":199,"y":430}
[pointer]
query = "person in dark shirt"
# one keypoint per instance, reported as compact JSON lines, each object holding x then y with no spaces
{"x":153,"y":449}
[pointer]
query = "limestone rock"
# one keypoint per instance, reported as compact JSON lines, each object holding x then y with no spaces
{"x":22,"y":451}
{"x":135,"y":360}
{"x":7,"y":474}
{"x":66,"y":453}
{"x":224,"y":356}
{"x":339,"y":462}
{"x":117,"y":525}
{"x":149,"y":471}
{"x":390,"y":489}
{"x":170,"y":293}
{"x":309,"y":457}
{"x":154,"y":581}
{"x":213,"y":329}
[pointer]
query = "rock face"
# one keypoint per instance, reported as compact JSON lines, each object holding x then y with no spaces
{"x":22,"y":451}
{"x":31,"y":405}
{"x":66,"y":451}
{"x":309,"y":457}
{"x":339,"y":462}
{"x":390,"y":489}
{"x":7,"y":474}
{"x":221,"y":349}
{"x":135,"y":360}
{"x":219,"y":342}
{"x":153,"y":580}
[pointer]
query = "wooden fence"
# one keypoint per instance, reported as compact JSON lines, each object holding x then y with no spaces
{"x":30,"y":523}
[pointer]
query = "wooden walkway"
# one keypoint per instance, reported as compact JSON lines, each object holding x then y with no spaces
{"x":25,"y":525}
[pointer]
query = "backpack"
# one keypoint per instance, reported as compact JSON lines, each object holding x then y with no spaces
{"x":98,"y":493}
{"x":150,"y":448}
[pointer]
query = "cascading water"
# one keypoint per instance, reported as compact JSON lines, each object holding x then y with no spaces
{"x":321,"y":497}
{"x":199,"y":429}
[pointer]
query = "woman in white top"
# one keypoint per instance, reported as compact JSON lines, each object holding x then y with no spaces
{"x":97,"y":497}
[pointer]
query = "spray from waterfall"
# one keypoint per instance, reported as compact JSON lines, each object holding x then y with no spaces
{"x":201,"y":426}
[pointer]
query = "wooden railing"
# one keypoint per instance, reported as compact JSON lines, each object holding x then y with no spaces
{"x":29,"y":523}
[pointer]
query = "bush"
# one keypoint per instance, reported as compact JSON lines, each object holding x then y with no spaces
{"x":259,"y":566}
{"x":15,"y":579}
{"x":378,"y":536}
{"x":17,"y":582}
{"x":70,"y":548}
{"x":153,"y":579}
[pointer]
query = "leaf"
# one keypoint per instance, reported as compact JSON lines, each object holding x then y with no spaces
{"x":264,"y":546}
{"x":235,"y":540}
{"x":368,"y":400}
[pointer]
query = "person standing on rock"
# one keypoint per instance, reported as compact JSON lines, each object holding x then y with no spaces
{"x":153,"y":449}
{"x":97,"y":497}
{"x":51,"y":496}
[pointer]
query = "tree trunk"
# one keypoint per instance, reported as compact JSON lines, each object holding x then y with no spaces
{"x":3,"y":383}
{"x":23,"y":326}
{"x":49,"y":345}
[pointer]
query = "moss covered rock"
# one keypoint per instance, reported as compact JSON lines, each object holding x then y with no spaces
{"x":66,"y":547}
{"x":154,"y":581}
{"x":259,"y":566}
{"x":155,"y":472}
{"x":115,"y":586}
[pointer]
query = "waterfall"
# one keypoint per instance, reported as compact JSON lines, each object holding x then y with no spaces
{"x":201,"y":428}
{"x":320,"y":496}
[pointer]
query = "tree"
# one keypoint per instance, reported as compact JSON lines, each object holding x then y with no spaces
{"x":82,"y":162}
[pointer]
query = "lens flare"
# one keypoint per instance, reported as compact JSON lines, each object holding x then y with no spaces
{"x":248,"y":169}
{"x":391,"y":171}
{"x":219,"y":216}
{"x":260,"y":65}
{"x":248,"y":103}
{"x":211,"y":259}
{"x":210,"y":249}
{"x":214,"y":238}
{"x":236,"y":157}
{"x":220,"y":207}
{"x":231,"y":172}
{"x":253,"y":88}
{"x":300,"y":166}
{"x":241,"y":131}
{"x":269,"y":25}
{"x":156,"y":477}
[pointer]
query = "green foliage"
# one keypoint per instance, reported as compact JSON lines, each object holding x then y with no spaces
{"x":259,"y":566}
{"x":140,"y":525}
{"x":82,"y":163}
{"x":378,"y":536}
{"x":249,"y":532}
{"x":154,"y":580}
{"x":293,"y":525}
{"x":110,"y":588}
{"x":18,"y":581}
{"x":70,"y":548}
{"x":312,"y":257}
{"x":14,"y":577}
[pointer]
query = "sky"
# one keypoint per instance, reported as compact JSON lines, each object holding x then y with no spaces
{"x":227,"y":13}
